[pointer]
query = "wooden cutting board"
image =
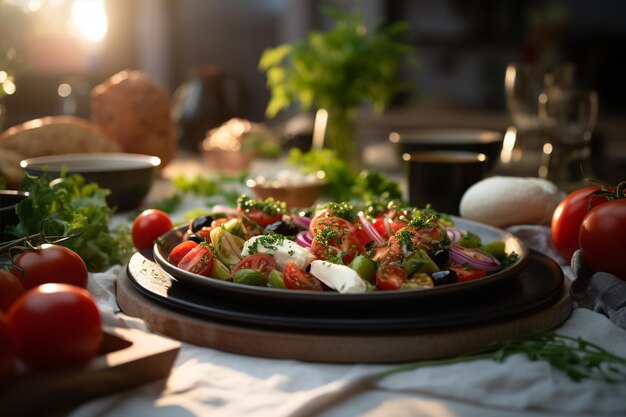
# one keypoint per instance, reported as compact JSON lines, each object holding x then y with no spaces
{"x":337,"y":348}
{"x":128,"y":358}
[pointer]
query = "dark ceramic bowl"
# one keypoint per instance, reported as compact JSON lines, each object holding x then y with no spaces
{"x":8,"y":216}
{"x":488,"y":142}
{"x":128,"y":176}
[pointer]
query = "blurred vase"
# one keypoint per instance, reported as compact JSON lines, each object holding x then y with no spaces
{"x":341,"y":135}
{"x":210,"y":97}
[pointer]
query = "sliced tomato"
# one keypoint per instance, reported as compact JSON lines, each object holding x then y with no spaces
{"x":205,"y":233}
{"x":261,"y":262}
{"x":466,"y":273}
{"x":341,"y":250}
{"x":390,"y":277}
{"x":379,"y":224}
{"x":198,"y":260}
{"x":297,"y":279}
{"x":180,"y":250}
{"x":330,"y":223}
{"x":387,"y":252}
{"x":361,"y":234}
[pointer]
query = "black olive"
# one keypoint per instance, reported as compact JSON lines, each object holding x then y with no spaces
{"x":196,"y":238}
{"x":440,"y":257}
{"x":200,"y":222}
{"x":445,"y":276}
{"x":282,"y":228}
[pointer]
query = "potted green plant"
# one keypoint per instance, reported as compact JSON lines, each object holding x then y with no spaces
{"x":338,"y":70}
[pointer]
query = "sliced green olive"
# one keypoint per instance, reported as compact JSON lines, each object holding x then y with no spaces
{"x":495,"y":248}
{"x":275,"y":279}
{"x":469,"y":240}
{"x":249,"y":277}
{"x":365,"y":268}
{"x":220,"y":271}
{"x":419,"y":261}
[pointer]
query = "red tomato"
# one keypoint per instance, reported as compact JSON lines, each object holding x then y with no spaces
{"x":466,"y":273}
{"x":7,"y":356}
{"x":390,"y":277}
{"x":54,"y":326}
{"x":180,"y":250}
{"x":344,"y":248}
{"x":50,"y":264}
{"x":296,"y":279}
{"x":387,"y":252}
{"x":379,"y":224}
{"x":205,"y":233}
{"x":148,"y":226}
{"x":341,"y":226}
{"x":568,"y":217}
{"x":10,"y":289}
{"x":361,"y":234}
{"x":198,"y":260}
{"x":259,"y":216}
{"x":261,"y":262}
{"x":602,"y":238}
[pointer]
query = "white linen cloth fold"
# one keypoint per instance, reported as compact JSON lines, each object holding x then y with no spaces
{"x":208,"y":382}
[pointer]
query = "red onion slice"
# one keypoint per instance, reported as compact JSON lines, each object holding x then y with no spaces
{"x":229,"y":211}
{"x":304,"y":239}
{"x":301,"y":221}
{"x":369,"y":229}
{"x":454,"y":234}
{"x":475,"y":258}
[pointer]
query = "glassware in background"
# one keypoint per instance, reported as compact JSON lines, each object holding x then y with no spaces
{"x":523,"y":83}
{"x":567,"y":117}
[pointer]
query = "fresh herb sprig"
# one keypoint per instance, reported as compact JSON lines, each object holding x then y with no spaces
{"x":579,"y":359}
{"x":69,"y":206}
{"x":342,"y":183}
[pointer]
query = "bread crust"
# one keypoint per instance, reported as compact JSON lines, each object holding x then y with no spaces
{"x":52,"y":135}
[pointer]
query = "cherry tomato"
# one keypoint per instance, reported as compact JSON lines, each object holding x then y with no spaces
{"x":50,"y":264}
{"x":390,"y":277}
{"x":148,"y":226}
{"x":7,"y":356}
{"x":198,"y":260}
{"x":567,"y":218}
{"x":10,"y":289}
{"x":466,"y":273}
{"x":180,"y":250}
{"x":296,"y":279}
{"x":205,"y":233}
{"x":602,"y":238}
{"x":261,"y":262}
{"x":344,"y":248}
{"x":54,"y":326}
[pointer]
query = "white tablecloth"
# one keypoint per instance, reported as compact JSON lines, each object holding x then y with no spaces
{"x":208,"y":382}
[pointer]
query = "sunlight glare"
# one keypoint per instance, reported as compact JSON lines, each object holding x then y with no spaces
{"x":89,"y":17}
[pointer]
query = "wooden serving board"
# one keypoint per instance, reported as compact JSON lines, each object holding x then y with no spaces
{"x":337,"y":348}
{"x":128,"y":358}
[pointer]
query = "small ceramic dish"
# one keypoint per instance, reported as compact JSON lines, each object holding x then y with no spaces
{"x":128,"y":176}
{"x":297,"y":190}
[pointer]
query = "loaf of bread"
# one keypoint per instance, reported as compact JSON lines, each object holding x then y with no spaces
{"x":506,"y":201}
{"x":51,"y":135}
{"x":134,"y":109}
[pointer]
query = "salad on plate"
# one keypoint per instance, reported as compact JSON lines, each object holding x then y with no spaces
{"x":344,"y":247}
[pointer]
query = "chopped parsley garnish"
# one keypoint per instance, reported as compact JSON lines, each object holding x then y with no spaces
{"x":268,"y":206}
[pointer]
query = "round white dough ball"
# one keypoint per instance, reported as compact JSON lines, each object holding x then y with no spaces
{"x":505,"y":201}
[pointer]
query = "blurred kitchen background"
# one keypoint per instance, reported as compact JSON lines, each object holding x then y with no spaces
{"x":462,"y":49}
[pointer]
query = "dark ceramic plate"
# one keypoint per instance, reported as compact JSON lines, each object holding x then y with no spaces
{"x":259,"y":294}
{"x":537,"y":283}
